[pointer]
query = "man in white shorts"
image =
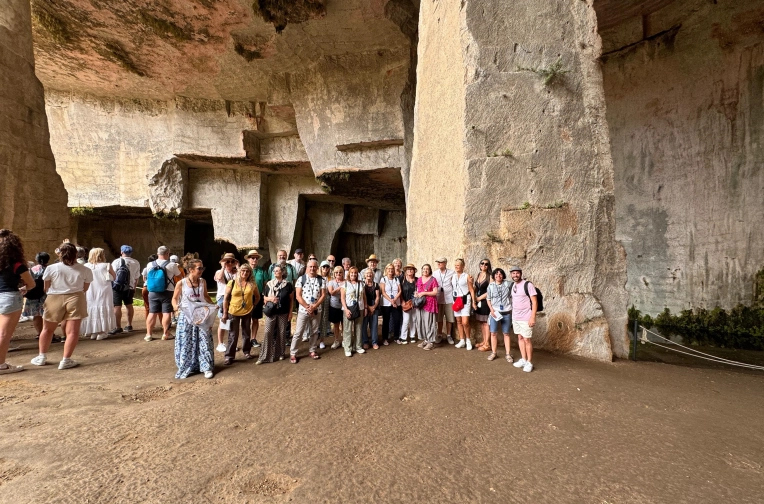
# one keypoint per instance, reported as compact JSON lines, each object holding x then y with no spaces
{"x":445,"y":299}
{"x":523,"y":317}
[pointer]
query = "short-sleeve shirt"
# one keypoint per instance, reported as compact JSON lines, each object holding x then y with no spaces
{"x":170,"y":268}
{"x":499,"y":296}
{"x":67,"y":279}
{"x":521,"y":304}
{"x":409,"y":289}
{"x":353,"y":294}
{"x":311,"y":290}
{"x":431,"y":303}
{"x":445,"y":296}
{"x":133,"y":265}
{"x":335,"y":300}
{"x":371,"y":293}
{"x":10,"y":277}
{"x":283,"y":294}
{"x":391,"y":287}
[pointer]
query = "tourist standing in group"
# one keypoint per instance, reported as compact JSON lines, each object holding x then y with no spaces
{"x":193,"y":343}
{"x":331,"y":260}
{"x":288,"y":272}
{"x":408,"y":292}
{"x":480,"y":305}
{"x":310,"y":293}
{"x":390,"y":288}
{"x":297,"y":263}
{"x":353,"y":307}
{"x":100,"y":320}
{"x":445,"y":299}
{"x":260,"y":276}
{"x":524,"y":307}
{"x":398,"y":269}
{"x":145,"y":293}
{"x":279,"y":303}
{"x":369,"y":326}
{"x":13,"y":271}
{"x":127,"y":271}
{"x":34,"y":306}
{"x":325,"y":327}
{"x":82,"y":255}
{"x":427,"y":287}
{"x":334,"y":290}
{"x":241,"y":296}
{"x":65,"y":283}
{"x":226,"y":273}
{"x":346,"y":263}
{"x":499,"y":304}
{"x":158,"y":277}
{"x":371,"y":265}
{"x":463,"y":293}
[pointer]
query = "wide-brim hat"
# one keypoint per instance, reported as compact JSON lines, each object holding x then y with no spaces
{"x":410,"y":266}
{"x":372,"y":257}
{"x":228,"y":257}
{"x":253,"y":253}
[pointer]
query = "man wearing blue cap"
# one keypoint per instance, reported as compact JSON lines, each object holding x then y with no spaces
{"x":127,"y":272}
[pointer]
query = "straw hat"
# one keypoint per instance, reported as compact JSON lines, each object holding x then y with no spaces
{"x":228,"y":257}
{"x":372,"y":257}
{"x":410,"y":266}
{"x":253,"y":253}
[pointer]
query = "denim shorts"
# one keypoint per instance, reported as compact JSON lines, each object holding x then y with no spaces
{"x":10,"y":302}
{"x":506,"y":322}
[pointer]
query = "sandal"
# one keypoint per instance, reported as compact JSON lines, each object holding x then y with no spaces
{"x":293,"y":359}
{"x":10,"y":369}
{"x":314,"y":356}
{"x":492,"y":356}
{"x":376,"y":347}
{"x":385,"y":342}
{"x":249,"y":356}
{"x":228,"y":362}
{"x":508,"y":358}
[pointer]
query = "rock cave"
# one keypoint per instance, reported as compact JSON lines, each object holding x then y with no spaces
{"x":612,"y":148}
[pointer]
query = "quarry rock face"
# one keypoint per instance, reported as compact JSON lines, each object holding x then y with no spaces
{"x":32,"y":195}
{"x":511,"y":161}
{"x":608,"y":147}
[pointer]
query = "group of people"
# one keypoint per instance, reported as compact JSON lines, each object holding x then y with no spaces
{"x":328,"y":300}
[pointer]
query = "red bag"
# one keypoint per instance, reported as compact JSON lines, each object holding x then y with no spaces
{"x":458,"y":304}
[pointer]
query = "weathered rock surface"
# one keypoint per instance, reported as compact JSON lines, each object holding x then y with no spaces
{"x":684,"y":88}
{"x":526,"y":177}
{"x":32,"y":195}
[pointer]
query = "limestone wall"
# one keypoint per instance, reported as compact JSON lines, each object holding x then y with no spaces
{"x":32,"y":195}
{"x":685,"y":106}
{"x":107,"y":149}
{"x":511,"y":167}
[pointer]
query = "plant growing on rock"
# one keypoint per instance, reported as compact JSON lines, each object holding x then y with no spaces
{"x":81,"y":211}
{"x":549,"y":74}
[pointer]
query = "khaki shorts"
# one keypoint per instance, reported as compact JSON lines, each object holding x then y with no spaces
{"x":521,"y":328}
{"x":446,"y":310}
{"x":60,"y":307}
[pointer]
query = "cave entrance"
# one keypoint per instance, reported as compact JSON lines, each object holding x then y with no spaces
{"x":200,"y":239}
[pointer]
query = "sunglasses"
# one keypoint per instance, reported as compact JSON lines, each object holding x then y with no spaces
{"x":484,"y":264}
{"x":200,"y":268}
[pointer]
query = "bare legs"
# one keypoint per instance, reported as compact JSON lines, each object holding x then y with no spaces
{"x":8,"y":325}
{"x":118,"y":315}
{"x":526,"y":348}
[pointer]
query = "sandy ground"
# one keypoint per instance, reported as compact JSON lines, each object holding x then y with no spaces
{"x":395,"y":425}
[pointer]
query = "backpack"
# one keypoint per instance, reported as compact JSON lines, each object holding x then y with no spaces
{"x":122,"y":282}
{"x":38,"y":291}
{"x":539,"y":297}
{"x":156,"y":278}
{"x":304,"y":279}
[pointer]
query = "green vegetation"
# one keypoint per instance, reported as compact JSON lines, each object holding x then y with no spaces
{"x":138,"y":302}
{"x":491,"y":238}
{"x":504,"y":153}
{"x":742,"y":327}
{"x":173,"y":215}
{"x":81,"y":211}
{"x":526,"y":206}
{"x":550,"y":74}
{"x":556,"y":204}
{"x":55,"y":26}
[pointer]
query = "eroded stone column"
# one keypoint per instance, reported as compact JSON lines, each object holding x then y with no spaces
{"x":32,"y":195}
{"x":512,"y":162}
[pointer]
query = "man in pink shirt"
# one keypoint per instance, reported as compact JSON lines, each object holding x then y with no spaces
{"x":524,"y":308}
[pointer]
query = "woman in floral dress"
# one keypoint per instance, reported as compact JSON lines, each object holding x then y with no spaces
{"x":193,"y":344}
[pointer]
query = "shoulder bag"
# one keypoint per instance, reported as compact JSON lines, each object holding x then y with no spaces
{"x":355,"y":310}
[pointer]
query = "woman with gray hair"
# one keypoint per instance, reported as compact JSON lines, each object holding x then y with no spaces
{"x":279,"y":303}
{"x":100,"y":319}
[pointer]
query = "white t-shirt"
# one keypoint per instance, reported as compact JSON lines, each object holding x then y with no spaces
{"x":311,"y":290}
{"x":354,"y":294}
{"x":170,"y":268}
{"x":67,"y":279}
{"x":446,"y":295}
{"x":133,"y":265}
{"x":391,"y":287}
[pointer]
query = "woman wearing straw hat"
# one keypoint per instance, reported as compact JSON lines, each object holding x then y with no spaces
{"x":408,"y":290}
{"x":241,"y":294}
{"x":226,"y":273}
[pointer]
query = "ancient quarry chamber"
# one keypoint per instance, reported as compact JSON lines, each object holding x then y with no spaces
{"x":610,"y":147}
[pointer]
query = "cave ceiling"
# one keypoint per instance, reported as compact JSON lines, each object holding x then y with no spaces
{"x":613,"y":12}
{"x":215,"y":49}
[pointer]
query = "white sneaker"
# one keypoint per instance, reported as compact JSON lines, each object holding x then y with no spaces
{"x":147,"y":337}
{"x":40,"y":360}
{"x":24,"y":319}
{"x":451,"y":340}
{"x":528,"y":367}
{"x":208,"y":374}
{"x":321,"y":345}
{"x":360,"y":350}
{"x":460,"y":344}
{"x":102,"y":337}
{"x":67,"y":364}
{"x":520,"y":363}
{"x":469,"y":344}
{"x":304,"y":339}
{"x":336,"y":345}
{"x":93,"y":336}
{"x":348,"y":354}
{"x":220,"y":347}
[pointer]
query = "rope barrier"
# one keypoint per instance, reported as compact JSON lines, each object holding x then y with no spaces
{"x":694,"y":353}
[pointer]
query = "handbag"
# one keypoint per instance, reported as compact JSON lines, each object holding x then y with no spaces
{"x":407,"y":305}
{"x":355,"y":310}
{"x":269,"y":308}
{"x":458,"y":304}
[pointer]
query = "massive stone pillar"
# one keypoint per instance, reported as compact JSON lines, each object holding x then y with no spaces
{"x":511,"y":160}
{"x":32,"y":195}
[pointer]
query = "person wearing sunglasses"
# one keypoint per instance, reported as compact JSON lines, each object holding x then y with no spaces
{"x":225,"y":274}
{"x":324,"y":326}
{"x":480,"y":305}
{"x":193,"y":344}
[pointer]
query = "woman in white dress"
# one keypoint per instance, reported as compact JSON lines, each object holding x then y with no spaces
{"x":100,"y":319}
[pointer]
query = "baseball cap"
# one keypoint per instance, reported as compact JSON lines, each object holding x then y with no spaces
{"x":515,"y":268}
{"x":126,"y":249}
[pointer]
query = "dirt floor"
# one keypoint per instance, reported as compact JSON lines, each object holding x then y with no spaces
{"x":395,"y":425}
